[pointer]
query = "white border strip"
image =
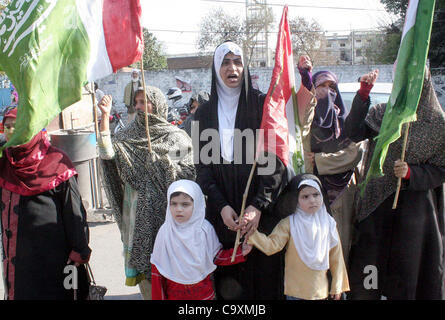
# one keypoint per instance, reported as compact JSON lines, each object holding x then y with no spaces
{"x":90,"y":12}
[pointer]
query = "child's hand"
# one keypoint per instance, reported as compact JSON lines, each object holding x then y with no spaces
{"x":336,"y":296}
{"x":246,"y":248}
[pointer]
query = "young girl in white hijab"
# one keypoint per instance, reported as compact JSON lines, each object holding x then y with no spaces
{"x":311,"y":239}
{"x":187,"y":249}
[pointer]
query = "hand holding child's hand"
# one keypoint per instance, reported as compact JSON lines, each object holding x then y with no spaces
{"x":246,"y":247}
{"x":251,"y":220}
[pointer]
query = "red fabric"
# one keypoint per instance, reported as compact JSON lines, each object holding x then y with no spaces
{"x":34,"y":167}
{"x":224,"y":257}
{"x":408,"y":174}
{"x":165,"y":289}
{"x":274,"y":121}
{"x":10,"y":221}
{"x":364,"y":90}
{"x":123,"y":32}
{"x":10,"y":114}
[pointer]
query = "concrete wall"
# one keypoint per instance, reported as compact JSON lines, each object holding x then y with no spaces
{"x":200,"y":79}
{"x":439,"y":85}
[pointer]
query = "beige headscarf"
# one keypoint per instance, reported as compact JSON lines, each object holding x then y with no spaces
{"x":149,"y":173}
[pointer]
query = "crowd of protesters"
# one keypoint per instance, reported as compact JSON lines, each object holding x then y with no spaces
{"x":177,"y":201}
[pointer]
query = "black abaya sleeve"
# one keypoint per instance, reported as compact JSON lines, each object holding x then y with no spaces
{"x":205,"y":179}
{"x":424,"y":177}
{"x":355,"y":126}
{"x":269,"y":186}
{"x":204,"y":172}
{"x":75,"y":219}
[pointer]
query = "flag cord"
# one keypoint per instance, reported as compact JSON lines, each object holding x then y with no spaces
{"x":399,"y":180}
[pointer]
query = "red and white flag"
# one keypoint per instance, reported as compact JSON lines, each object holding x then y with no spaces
{"x":280,"y":125}
{"x":115,"y":33}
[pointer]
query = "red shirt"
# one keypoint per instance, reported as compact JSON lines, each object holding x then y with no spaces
{"x":165,"y":289}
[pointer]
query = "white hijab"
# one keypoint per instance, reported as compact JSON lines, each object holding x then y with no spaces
{"x":184,"y":252}
{"x":227,"y":100}
{"x":314,"y":234}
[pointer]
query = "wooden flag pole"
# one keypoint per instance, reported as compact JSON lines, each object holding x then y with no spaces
{"x":249,"y":181}
{"x":399,"y":180}
{"x":145,"y":103}
{"x":96,"y":123}
{"x":246,"y":192}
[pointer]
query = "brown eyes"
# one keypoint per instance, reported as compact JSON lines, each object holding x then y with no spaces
{"x":315,"y":195}
{"x":236,"y":62}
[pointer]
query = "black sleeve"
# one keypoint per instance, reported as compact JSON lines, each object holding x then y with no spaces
{"x":75,"y":219}
{"x":270,"y":185}
{"x":424,"y":177}
{"x":355,"y":126}
{"x":204,"y":172}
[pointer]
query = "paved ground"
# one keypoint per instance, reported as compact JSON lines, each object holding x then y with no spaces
{"x":107,"y":262}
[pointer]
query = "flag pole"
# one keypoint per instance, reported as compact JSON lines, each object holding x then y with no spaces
{"x":249,"y":181}
{"x":145,"y":104}
{"x":238,"y":233}
{"x":96,"y":123}
{"x":399,"y":180}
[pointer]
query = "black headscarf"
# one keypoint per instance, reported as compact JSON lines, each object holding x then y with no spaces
{"x":327,"y":134}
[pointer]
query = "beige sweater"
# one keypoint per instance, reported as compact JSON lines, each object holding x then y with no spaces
{"x":299,"y":280}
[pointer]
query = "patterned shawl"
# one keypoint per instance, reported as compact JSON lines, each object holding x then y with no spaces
{"x":426,"y":144}
{"x":149,"y":174}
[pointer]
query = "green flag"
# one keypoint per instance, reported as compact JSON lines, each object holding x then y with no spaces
{"x":408,"y":81}
{"x":42,"y":50}
{"x":49,"y":49}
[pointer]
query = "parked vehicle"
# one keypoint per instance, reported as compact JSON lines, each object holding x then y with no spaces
{"x":379,"y":94}
{"x":116,"y":119}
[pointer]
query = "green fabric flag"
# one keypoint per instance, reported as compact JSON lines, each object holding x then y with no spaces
{"x":408,"y":82}
{"x":44,"y":51}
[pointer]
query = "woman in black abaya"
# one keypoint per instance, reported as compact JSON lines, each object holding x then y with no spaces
{"x":223,"y":177}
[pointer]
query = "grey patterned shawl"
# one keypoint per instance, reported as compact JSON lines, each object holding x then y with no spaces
{"x":150,"y":174}
{"x":426,"y":144}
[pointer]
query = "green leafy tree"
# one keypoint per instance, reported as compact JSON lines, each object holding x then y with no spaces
{"x":437,"y":42}
{"x":383,"y":48}
{"x":154,"y":57}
